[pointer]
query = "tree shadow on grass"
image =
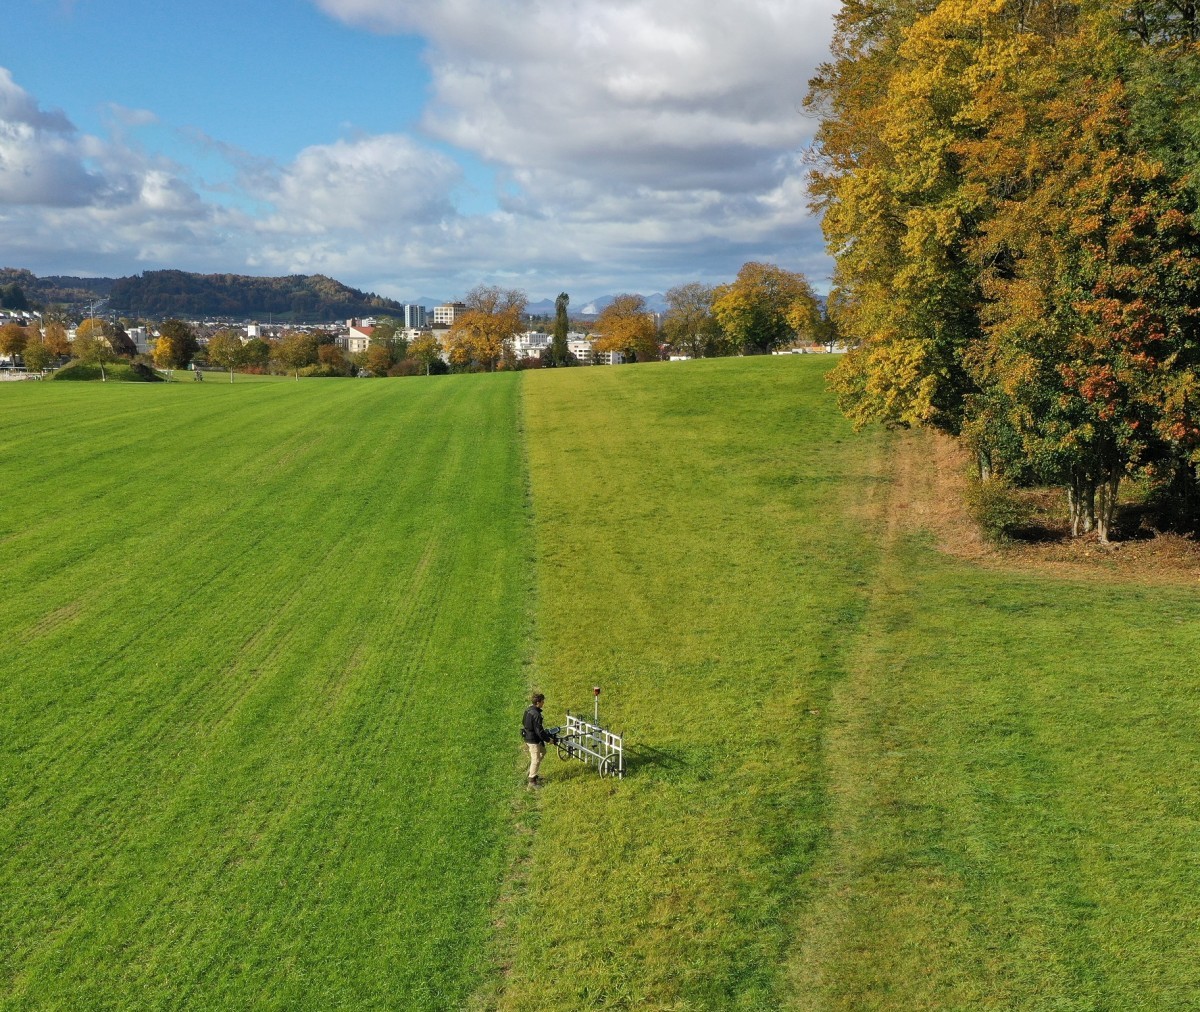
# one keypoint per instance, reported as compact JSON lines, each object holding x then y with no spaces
{"x":1037,"y":534}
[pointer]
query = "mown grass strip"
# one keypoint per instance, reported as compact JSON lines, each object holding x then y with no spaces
{"x":699,"y":558}
{"x":259,"y":642}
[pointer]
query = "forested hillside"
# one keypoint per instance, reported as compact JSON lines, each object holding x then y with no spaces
{"x":298,"y":296}
{"x":170,"y":293}
{"x":55,"y":289}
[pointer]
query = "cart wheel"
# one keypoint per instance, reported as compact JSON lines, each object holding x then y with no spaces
{"x":565,"y":751}
{"x":610,"y":767}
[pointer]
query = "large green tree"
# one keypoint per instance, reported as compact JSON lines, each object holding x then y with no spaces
{"x":92,"y":347}
{"x":37,"y":355}
{"x":226,"y":349}
{"x":13,"y":297}
{"x":176,"y":345}
{"x":296,"y":350}
{"x":690,"y":325}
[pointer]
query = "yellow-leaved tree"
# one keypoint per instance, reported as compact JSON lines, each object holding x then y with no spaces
{"x":766,"y":307}
{"x":426,"y":350}
{"x":480,"y":336}
{"x":627,"y":326}
{"x":13,"y":339}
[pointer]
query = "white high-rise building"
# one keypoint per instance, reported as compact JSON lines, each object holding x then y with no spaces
{"x":415,"y":317}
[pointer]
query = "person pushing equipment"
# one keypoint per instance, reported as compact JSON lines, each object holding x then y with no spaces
{"x":535,"y":737}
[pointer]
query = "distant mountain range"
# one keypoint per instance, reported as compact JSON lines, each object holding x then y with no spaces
{"x":656,"y":303}
{"x":296,"y":297}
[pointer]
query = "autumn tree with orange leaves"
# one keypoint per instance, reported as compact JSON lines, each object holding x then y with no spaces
{"x":1007,"y":192}
{"x":627,"y":326}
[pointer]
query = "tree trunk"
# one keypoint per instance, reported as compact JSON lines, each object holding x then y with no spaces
{"x":1081,"y":498}
{"x":231,"y":374}
{"x":983,"y":459}
{"x":1108,"y":505}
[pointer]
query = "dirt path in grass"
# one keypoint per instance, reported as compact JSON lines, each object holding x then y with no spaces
{"x":930,"y":477}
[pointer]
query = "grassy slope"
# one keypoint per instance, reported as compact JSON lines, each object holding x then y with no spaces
{"x":255,"y":636}
{"x":700,"y":558}
{"x":994,"y":808}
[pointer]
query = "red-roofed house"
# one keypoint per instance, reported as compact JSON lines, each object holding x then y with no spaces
{"x":359,"y":338}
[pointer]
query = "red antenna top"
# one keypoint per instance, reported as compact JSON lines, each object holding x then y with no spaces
{"x":595,"y":690}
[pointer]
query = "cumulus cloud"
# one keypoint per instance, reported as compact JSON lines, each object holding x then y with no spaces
{"x":41,"y":155}
{"x":365,"y":186}
{"x":70,"y":200}
{"x":631,"y":89}
{"x":678,"y":122}
{"x":636,"y":144}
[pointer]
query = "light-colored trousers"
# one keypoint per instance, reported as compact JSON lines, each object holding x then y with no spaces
{"x":537,"y":751}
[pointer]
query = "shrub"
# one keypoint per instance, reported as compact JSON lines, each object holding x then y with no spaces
{"x":997,"y":507}
{"x":407,"y":367}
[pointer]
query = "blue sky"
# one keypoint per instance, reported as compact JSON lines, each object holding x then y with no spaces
{"x":411,"y":149}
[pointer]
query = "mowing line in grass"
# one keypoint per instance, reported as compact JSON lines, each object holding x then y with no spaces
{"x":1014,"y":797}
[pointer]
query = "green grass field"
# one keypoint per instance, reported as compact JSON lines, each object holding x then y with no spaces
{"x":266,"y":646}
{"x":261,"y":642}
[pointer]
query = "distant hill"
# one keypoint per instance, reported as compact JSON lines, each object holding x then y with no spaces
{"x":312,"y":297}
{"x":162,"y":294}
{"x":57,"y":288}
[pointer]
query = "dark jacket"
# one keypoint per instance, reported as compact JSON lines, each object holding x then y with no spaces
{"x":532,"y":730}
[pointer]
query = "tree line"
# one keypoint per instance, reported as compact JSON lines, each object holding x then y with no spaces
{"x":763,"y":308}
{"x":1009,"y":190}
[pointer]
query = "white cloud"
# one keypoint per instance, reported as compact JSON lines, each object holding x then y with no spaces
{"x":127,"y":117}
{"x":641,"y":125}
{"x":636,"y":143}
{"x":365,"y":186}
{"x":41,"y":155}
{"x":70,"y":200}
{"x":628,"y":88}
